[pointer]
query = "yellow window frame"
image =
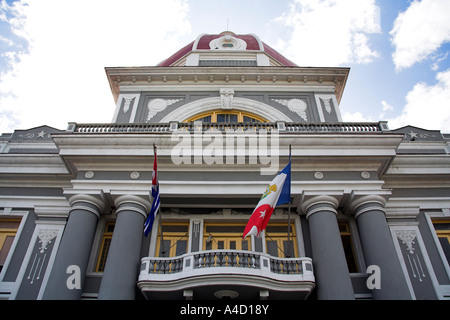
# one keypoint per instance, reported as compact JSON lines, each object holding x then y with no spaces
{"x":104,"y":247}
{"x":347,"y":240}
{"x":172,"y":237}
{"x":6,"y":232}
{"x":442,"y":234}
{"x":281,"y":237}
{"x":227,"y":238}
{"x":214,"y":113}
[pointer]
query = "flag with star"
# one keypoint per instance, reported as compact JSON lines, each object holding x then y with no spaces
{"x":155,"y":195}
{"x":278,"y":192}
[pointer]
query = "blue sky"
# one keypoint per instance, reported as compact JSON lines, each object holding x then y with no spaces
{"x":53,"y":52}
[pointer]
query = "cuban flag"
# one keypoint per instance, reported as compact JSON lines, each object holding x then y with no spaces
{"x":278,"y":192}
{"x":155,"y":195}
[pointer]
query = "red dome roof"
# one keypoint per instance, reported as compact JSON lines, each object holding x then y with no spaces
{"x":203,"y":43}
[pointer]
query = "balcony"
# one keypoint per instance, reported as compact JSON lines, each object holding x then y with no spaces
{"x":341,"y":127}
{"x":216,"y":273}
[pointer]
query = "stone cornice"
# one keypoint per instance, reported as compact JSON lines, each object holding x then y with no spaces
{"x":144,"y":77}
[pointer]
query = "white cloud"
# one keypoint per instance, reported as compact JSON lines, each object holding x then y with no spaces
{"x":427,"y":106}
{"x":386,"y":107}
{"x":329,"y":32}
{"x":61,"y":77}
{"x":420,"y":31}
{"x":355,"y":117}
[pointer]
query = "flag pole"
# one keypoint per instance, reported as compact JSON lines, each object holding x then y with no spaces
{"x":160,"y":227}
{"x":289,"y":214}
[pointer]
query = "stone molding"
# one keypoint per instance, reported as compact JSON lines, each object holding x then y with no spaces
{"x":133,"y":203}
{"x":243,"y":104}
{"x":78,"y":201}
{"x":324,"y":202}
{"x":361,"y":202}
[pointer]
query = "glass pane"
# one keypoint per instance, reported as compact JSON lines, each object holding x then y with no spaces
{"x":221,"y":118}
{"x":272,"y":248}
{"x":220,"y":245}
{"x":181,"y":247}
{"x":9,"y":224}
{"x":249,"y":119}
{"x":208,"y":245}
{"x":288,"y":248}
{"x":445,"y":247}
{"x":348,"y":250}
{"x":103,"y":255}
{"x":206,"y":119}
{"x":233,"y":245}
{"x":442,"y":226}
{"x":5,"y":249}
{"x":244,"y":244}
{"x":109,"y":227}
{"x":164,"y":248}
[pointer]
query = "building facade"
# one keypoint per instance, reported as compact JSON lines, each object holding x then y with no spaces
{"x":369,"y":216}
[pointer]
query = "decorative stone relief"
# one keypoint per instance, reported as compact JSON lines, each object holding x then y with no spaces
{"x":407,"y":237}
{"x":127,"y":103}
{"x":226,"y":98}
{"x":196,"y":228}
{"x":295,"y":105}
{"x":45,"y":237}
{"x":318,"y":175}
{"x":42,"y":133}
{"x":157,"y":105}
{"x":34,"y":135}
{"x":134,"y":175}
{"x":326,"y":103}
{"x":414,"y":135}
{"x":365,"y":175}
{"x":89,"y":175}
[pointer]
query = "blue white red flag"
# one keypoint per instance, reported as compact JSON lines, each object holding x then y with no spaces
{"x":155,"y":195}
{"x":278,"y":192}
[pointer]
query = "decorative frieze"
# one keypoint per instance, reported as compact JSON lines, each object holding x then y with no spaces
{"x":157,"y":105}
{"x":295,"y":105}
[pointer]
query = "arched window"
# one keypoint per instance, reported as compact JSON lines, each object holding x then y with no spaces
{"x":222,"y":116}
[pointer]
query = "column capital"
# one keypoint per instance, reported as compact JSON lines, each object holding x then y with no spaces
{"x":364,"y":201}
{"x":329,"y":199}
{"x":136,"y":203}
{"x":79,"y":199}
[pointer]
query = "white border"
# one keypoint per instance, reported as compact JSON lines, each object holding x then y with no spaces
{"x":208,"y":104}
{"x":426,"y":259}
{"x":40,"y":225}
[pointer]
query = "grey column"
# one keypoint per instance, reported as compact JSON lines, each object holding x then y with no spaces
{"x":378,"y":247}
{"x":75,"y":247}
{"x":122,"y":264}
{"x":330,"y":266}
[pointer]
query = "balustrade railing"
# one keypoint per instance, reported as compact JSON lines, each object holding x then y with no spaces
{"x":289,"y":127}
{"x":215,"y":260}
{"x":233,"y":259}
